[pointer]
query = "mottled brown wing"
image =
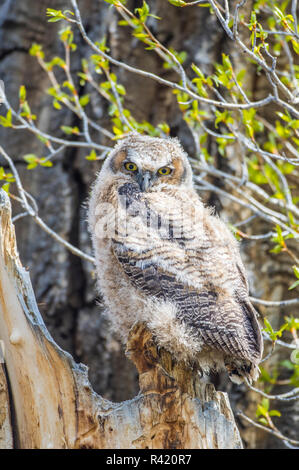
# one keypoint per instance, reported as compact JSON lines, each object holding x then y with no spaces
{"x":226,"y":326}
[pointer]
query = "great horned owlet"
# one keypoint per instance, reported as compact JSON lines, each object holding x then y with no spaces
{"x":164,"y":259}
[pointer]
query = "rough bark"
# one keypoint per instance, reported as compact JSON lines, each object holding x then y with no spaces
{"x":6,"y":433}
{"x":54,"y":404}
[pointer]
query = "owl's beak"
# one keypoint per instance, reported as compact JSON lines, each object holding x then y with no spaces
{"x":144,"y":180}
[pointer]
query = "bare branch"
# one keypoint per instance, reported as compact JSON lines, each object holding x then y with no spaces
{"x":33,"y":212}
{"x":292,"y":395}
{"x":275,"y":303}
{"x":257,"y":104}
{"x":269,"y":430}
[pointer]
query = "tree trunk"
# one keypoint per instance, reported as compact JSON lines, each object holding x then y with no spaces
{"x":6,"y":433}
{"x":54,"y":404}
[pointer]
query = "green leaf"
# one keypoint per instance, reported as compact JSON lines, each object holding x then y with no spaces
{"x":56,"y":104}
{"x":69,"y":85}
{"x":92,"y":155}
{"x":295,"y":45}
{"x":33,"y":161}
{"x":265,"y":376}
{"x":269,"y":329}
{"x":8,"y":177}
{"x":22,"y":93}
{"x":70,"y":130}
{"x":44,"y":162}
{"x":36,"y":50}
{"x":287,"y":364}
{"x":263,"y":421}
{"x":120,"y":89}
{"x":226,"y":62}
{"x":54,"y":15}
{"x":43,"y":139}
{"x":224,"y":116}
{"x":296,"y":271}
{"x":293,"y":286}
{"x":261,"y":411}
{"x":56,"y":61}
{"x":9,"y":117}
{"x":279,"y":234}
{"x":265,"y":403}
{"x":5,"y":187}
{"x":164,"y":127}
{"x":140,"y":35}
{"x":84,"y":100}
{"x":292,"y":323}
{"x":143,"y":12}
{"x":6,"y":121}
{"x":30,"y":158}
{"x":274,"y":413}
{"x":27,"y":111}
{"x":277,"y":249}
{"x":197,"y":71}
{"x":66,"y":35}
{"x":178,"y":3}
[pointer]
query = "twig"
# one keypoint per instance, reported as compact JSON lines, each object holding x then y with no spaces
{"x":269,"y":430}
{"x":275,"y":303}
{"x":269,"y":99}
{"x":62,"y":241}
{"x":34,"y":212}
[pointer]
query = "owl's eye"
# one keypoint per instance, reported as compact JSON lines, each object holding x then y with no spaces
{"x":130,"y":166}
{"x":165,"y":170}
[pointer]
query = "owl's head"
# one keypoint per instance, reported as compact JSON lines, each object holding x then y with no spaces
{"x":153,"y":163}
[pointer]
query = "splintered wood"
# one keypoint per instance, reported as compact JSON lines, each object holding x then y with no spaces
{"x":52,"y":400}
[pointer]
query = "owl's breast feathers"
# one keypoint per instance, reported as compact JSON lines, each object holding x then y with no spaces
{"x":202,"y":276}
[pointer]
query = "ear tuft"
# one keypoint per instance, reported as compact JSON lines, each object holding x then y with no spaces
{"x":118,"y":160}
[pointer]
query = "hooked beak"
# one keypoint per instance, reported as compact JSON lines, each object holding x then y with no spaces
{"x":144,"y":180}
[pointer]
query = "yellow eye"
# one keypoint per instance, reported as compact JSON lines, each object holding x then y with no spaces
{"x":130,"y":166}
{"x":165,"y":170}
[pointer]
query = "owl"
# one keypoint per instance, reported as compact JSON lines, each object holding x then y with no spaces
{"x":164,"y":259}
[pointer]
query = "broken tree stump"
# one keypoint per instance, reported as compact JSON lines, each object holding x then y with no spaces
{"x":52,"y":400}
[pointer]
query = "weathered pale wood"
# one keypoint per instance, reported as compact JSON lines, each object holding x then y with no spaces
{"x":54,"y":405}
{"x":6,"y":437}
